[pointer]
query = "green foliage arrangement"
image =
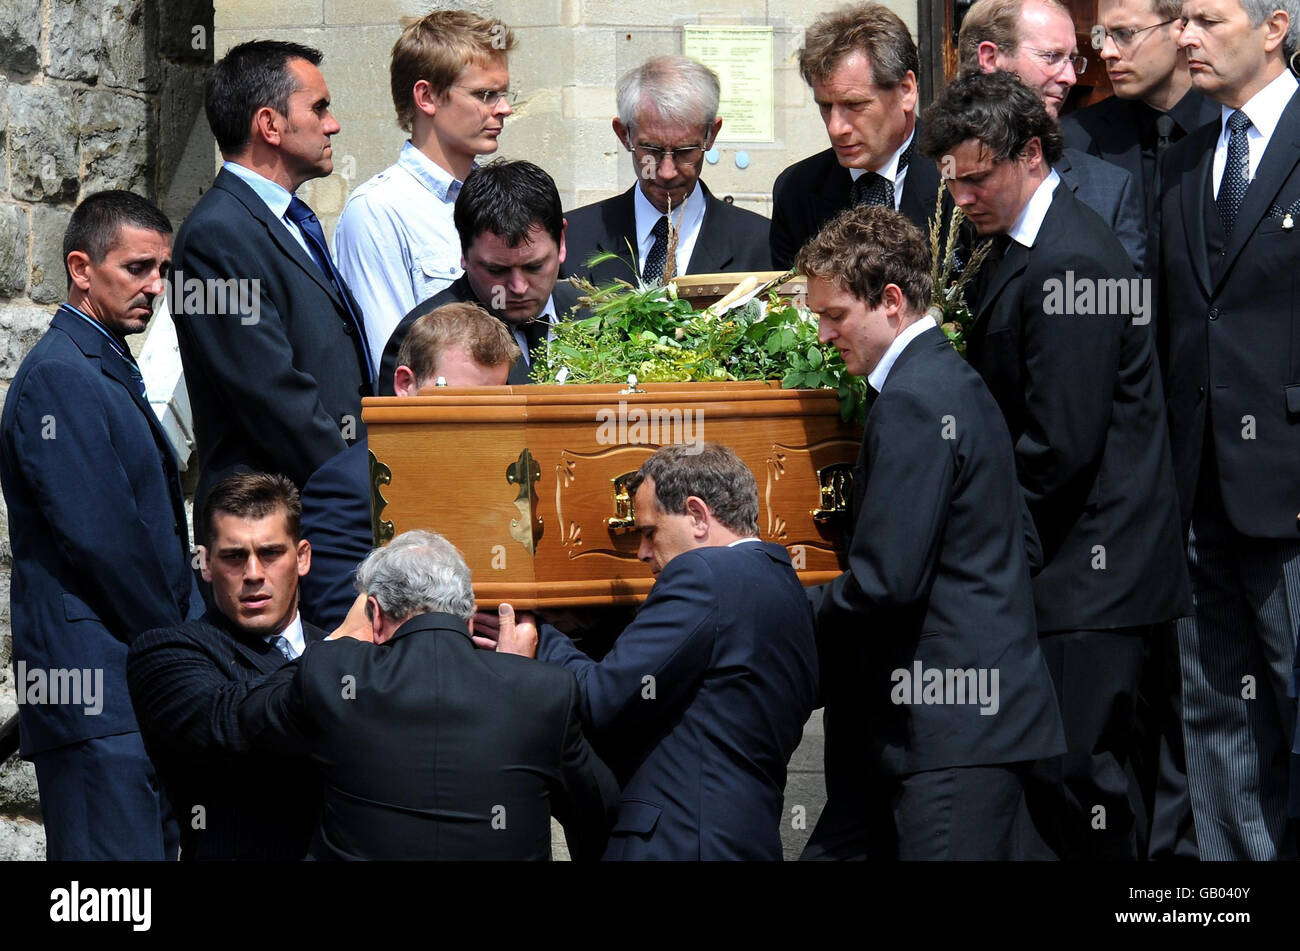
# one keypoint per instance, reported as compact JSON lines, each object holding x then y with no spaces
{"x":651,"y":334}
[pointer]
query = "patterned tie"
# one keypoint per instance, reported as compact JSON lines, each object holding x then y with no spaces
{"x":305,"y":218}
{"x":872,"y":188}
{"x":1232,"y":187}
{"x":658,"y":256}
{"x":281,"y":643}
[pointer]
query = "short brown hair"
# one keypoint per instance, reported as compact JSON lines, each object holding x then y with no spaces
{"x":709,"y":471}
{"x":487,"y":340}
{"x":863,"y":249}
{"x":996,"y":22}
{"x":870,"y":29}
{"x":252,"y":495}
{"x":435,"y":48}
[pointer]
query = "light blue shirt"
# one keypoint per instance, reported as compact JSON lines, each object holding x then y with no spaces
{"x":293,"y":633}
{"x":396,"y":243}
{"x":276,"y":197}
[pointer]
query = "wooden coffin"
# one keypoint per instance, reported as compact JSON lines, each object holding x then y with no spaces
{"x":526,"y":480}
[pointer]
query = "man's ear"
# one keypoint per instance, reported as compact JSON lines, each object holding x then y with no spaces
{"x":564,"y":224}
{"x":78,"y":266}
{"x":712,"y":134}
{"x":1032,"y":153}
{"x":1278,"y":23}
{"x":204,"y":568}
{"x":987,"y":54}
{"x":304,"y":557}
{"x":267,"y":124}
{"x":404,"y":381}
{"x":624,"y":136}
{"x":424,"y":98}
{"x":907,"y":87}
{"x":892,"y":297}
{"x":699,"y":514}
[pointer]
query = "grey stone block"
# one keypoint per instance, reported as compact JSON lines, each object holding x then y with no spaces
{"x":21,"y":325}
{"x":124,"y":25}
{"x":76,"y":41}
{"x":42,"y":140}
{"x":185,"y":32}
{"x":49,"y":280}
{"x":806,"y":793}
{"x":114,"y":141}
{"x":20,"y":35}
{"x":4,"y":134}
{"x":18,"y":792}
{"x":21,"y":840}
{"x":14,"y":232}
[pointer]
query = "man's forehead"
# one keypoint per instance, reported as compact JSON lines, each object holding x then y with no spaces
{"x":972,"y":156}
{"x":136,"y":243}
{"x":234,"y":531}
{"x":492,"y":248}
{"x":1041,"y":23}
{"x":1121,"y":12}
{"x":651,"y":129}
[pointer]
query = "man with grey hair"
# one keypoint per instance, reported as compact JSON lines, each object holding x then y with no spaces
{"x":703,"y":698}
{"x":1228,"y":213}
{"x":667,"y":118}
{"x":430,"y":749}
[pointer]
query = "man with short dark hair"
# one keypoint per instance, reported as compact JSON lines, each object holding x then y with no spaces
{"x":512,"y":231}
{"x":396,"y":241}
{"x":187,"y":680}
{"x":702,"y":700}
{"x":272,"y":341}
{"x":1232,"y":375}
{"x":862,"y":65}
{"x":97,"y":524}
{"x":1034,"y":39}
{"x":457,"y":344}
{"x":430,"y":749}
{"x":667,"y":119}
{"x":1059,"y":333}
{"x":937,"y":581}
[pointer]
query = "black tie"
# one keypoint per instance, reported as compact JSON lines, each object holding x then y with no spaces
{"x":658,"y":256}
{"x":1164,"y":137}
{"x":992,"y":261}
{"x":535,"y":333}
{"x":872,"y":188}
{"x":1232,"y":187}
{"x":305,"y":218}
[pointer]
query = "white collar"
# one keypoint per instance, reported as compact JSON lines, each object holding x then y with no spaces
{"x":293,"y":634}
{"x":743,"y":541}
{"x":890,"y":169}
{"x":1265,"y":108}
{"x":1024,"y":230}
{"x":913,"y":330}
{"x":686,"y":216}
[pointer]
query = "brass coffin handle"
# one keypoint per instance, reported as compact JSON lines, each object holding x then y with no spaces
{"x":836,"y":488}
{"x":624,"y":518}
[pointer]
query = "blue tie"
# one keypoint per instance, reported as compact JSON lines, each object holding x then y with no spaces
{"x":1232,"y":188}
{"x":305,"y":219}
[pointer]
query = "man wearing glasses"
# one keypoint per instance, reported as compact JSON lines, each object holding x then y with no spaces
{"x":396,"y":243}
{"x":667,"y":118}
{"x":1035,"y":40}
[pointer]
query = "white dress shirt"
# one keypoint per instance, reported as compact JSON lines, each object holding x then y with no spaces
{"x":293,"y":634}
{"x":547,"y":314}
{"x":1024,"y":230}
{"x":878,"y":376}
{"x":1264,"y":109}
{"x":687,"y":218}
{"x":396,"y":242}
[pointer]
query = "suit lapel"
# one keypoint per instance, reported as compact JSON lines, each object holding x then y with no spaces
{"x":1012,"y":266}
{"x":279,"y":233}
{"x":713,"y":251}
{"x":920,"y":187}
{"x":1276,"y":166}
{"x":1196,"y":190}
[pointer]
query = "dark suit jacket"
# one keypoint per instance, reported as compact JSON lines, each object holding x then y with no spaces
{"x":1113,"y":194}
{"x":813,"y":191}
{"x":440,"y":752}
{"x":730,"y":239}
{"x":564,"y":293}
{"x":937,"y":576}
{"x":336,"y":520}
{"x":1082,"y":398}
{"x":727,"y":635}
{"x":97,"y":525}
{"x":1233,"y":364}
{"x":280,"y":393}
{"x":186,"y":683}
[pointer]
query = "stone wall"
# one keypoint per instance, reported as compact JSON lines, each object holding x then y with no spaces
{"x":94,"y":94}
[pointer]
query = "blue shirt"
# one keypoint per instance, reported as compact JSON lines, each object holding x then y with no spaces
{"x":396,"y":243}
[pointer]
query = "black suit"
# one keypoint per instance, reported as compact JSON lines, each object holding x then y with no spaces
{"x":1232,"y":372}
{"x":938,"y":576}
{"x":440,"y":751}
{"x":564,"y":294}
{"x":232,"y":803}
{"x":1111,"y":192}
{"x":1082,"y":399}
{"x":336,"y":520}
{"x":813,"y":191}
{"x":275,"y":390}
{"x":730,"y":239}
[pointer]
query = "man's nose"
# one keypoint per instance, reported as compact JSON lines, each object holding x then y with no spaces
{"x":836,"y":123}
{"x":1109,"y":49}
{"x":331,"y":124}
{"x":824,"y":333}
{"x":517,"y":282}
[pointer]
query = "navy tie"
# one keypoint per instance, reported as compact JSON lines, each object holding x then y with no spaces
{"x":1232,"y":188}
{"x":658,"y":256}
{"x":305,"y":218}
